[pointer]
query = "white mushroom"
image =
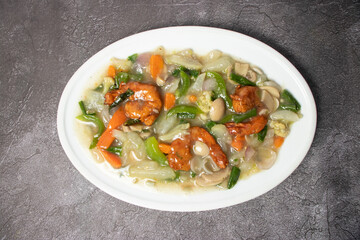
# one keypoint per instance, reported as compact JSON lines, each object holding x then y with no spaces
{"x":277,"y":103}
{"x":272,"y":84}
{"x":257,"y":70}
{"x":272,"y":90}
{"x":217,"y":109}
{"x":251,"y":75}
{"x":269,"y":101}
{"x":137,"y":127}
{"x":241,"y":68}
{"x":144,"y":135}
{"x":205,"y":180}
{"x":126,"y":128}
{"x":265,"y":158}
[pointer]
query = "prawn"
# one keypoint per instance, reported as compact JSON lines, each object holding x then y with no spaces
{"x":245,"y":98}
{"x":255,"y":125}
{"x":180,"y":155}
{"x":144,"y":104}
{"x":216,"y":153}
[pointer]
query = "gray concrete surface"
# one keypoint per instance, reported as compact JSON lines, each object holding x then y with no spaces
{"x":42,"y":196}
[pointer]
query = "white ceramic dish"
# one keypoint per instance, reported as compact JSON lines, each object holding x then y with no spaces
{"x":201,"y":40}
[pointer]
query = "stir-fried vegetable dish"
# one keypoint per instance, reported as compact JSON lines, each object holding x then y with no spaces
{"x":176,"y":117}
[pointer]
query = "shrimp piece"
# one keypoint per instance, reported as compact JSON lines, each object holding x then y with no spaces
{"x":245,"y":98}
{"x":180,"y":155}
{"x":216,"y":153}
{"x":144,"y":104}
{"x":238,"y":142}
{"x":255,"y":125}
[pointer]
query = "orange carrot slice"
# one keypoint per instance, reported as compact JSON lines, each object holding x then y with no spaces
{"x":111,"y":71}
{"x":111,"y":158}
{"x":278,"y":141}
{"x":105,"y":139}
{"x":156,"y":65}
{"x":192,"y":98}
{"x":116,"y":121}
{"x":169,"y":101}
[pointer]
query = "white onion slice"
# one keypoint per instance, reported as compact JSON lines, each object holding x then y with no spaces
{"x":285,"y":115}
{"x":249,"y":153}
{"x":209,"y":84}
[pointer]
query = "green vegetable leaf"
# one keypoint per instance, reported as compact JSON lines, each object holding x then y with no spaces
{"x":262,"y":134}
{"x":122,"y":97}
{"x":132,"y":122}
{"x":186,"y":115}
{"x":133,"y":57}
{"x":241,"y":80}
{"x":234,"y":176}
{"x":115,"y":150}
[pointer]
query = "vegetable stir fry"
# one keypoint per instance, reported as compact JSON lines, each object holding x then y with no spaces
{"x":197,"y":121}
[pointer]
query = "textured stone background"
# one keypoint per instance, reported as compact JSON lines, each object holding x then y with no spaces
{"x":42,"y":196}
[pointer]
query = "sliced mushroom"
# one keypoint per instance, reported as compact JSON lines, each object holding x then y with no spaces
{"x":272,"y":84}
{"x":241,"y":68}
{"x":269,"y":101}
{"x":145,"y":135}
{"x":277,"y":103}
{"x":251,"y":75}
{"x":272,"y":90}
{"x":257,"y":70}
{"x":265,"y":158}
{"x":205,"y":180}
{"x":137,"y":127}
{"x":126,"y":128}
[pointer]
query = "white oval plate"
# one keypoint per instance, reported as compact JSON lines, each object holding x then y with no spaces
{"x":201,"y":40}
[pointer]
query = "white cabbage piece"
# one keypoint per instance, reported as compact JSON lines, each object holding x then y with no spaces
{"x":284,"y":115}
{"x":185,"y":61}
{"x":163,"y":123}
{"x":133,"y":147}
{"x":152,"y":170}
{"x":219,"y":65}
{"x":222,"y":135}
{"x":178,"y":131}
{"x":196,"y":87}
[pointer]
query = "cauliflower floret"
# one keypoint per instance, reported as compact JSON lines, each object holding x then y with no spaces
{"x":204,"y":101}
{"x":123,"y":65}
{"x":280,"y":128}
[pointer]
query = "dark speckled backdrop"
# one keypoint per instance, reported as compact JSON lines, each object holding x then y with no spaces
{"x":42,"y":196}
